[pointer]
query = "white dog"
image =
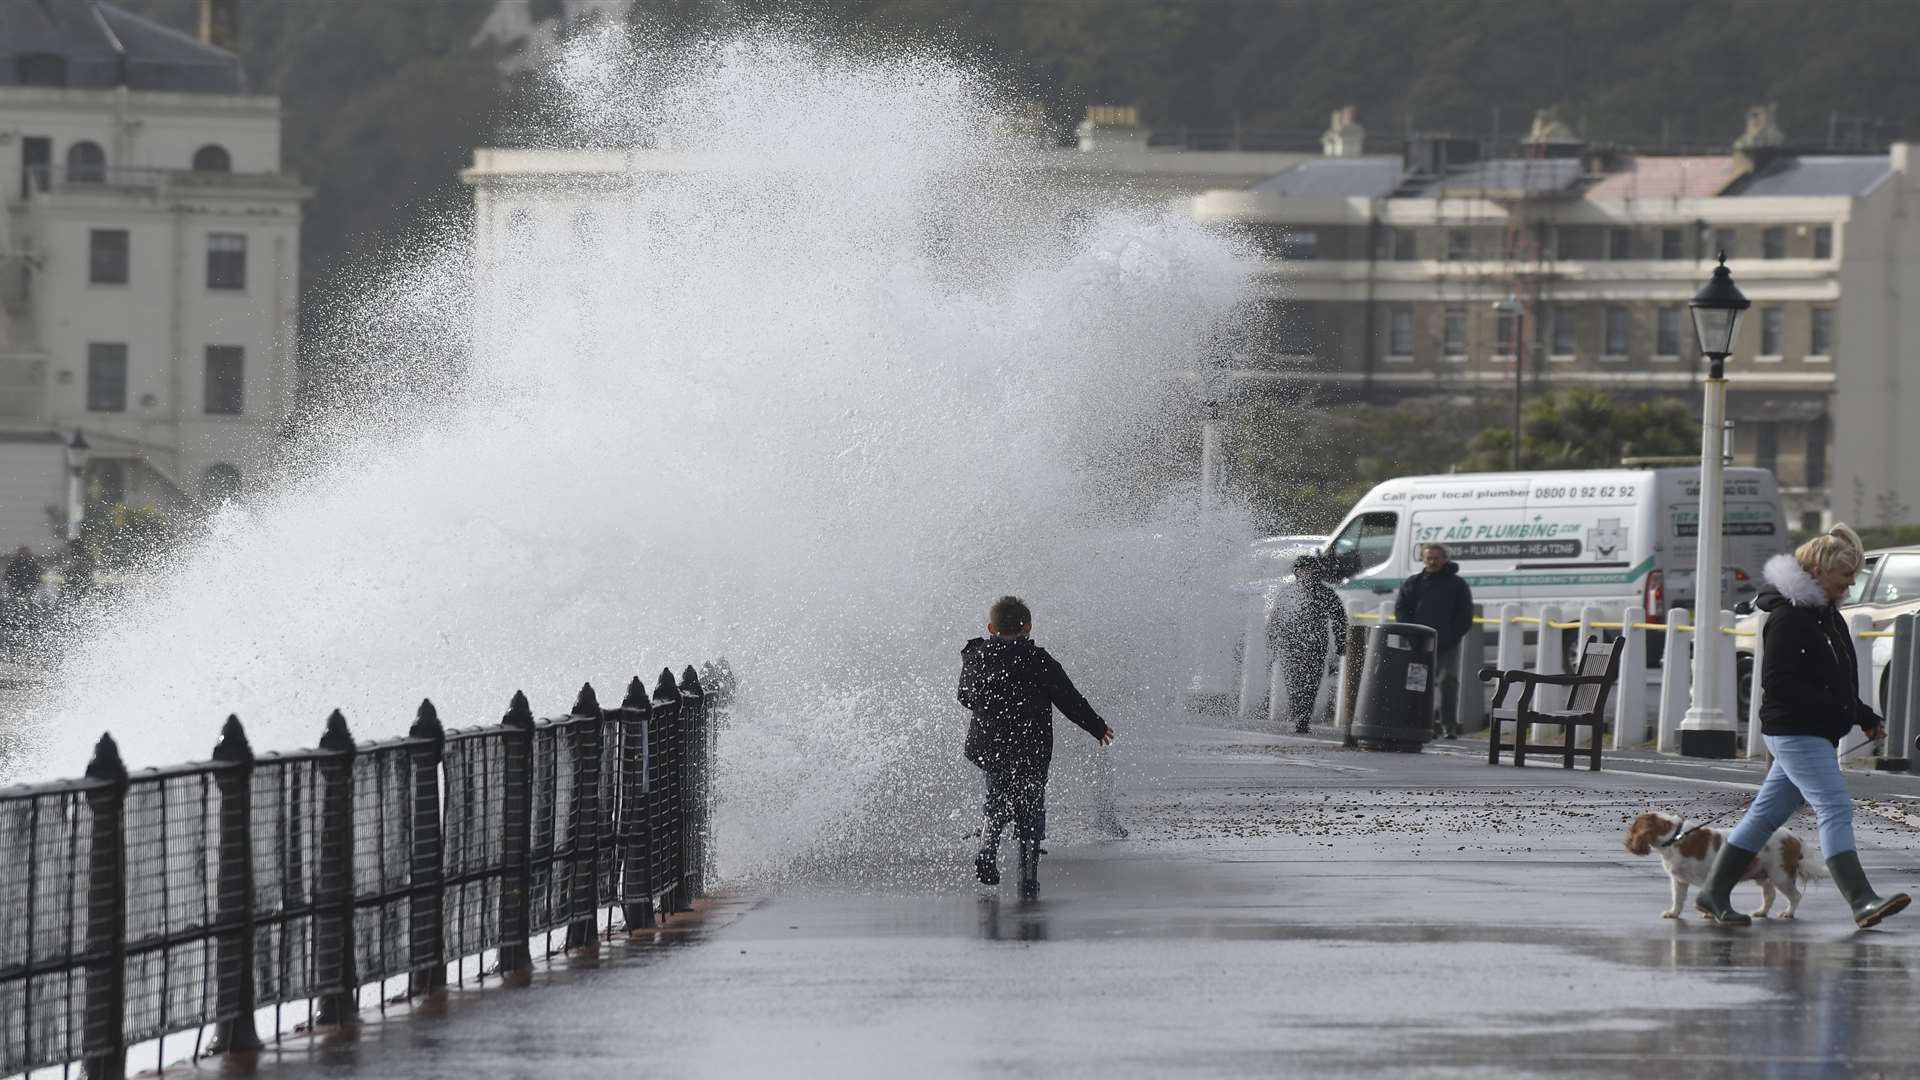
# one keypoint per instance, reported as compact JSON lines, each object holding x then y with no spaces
{"x":1783,"y":864}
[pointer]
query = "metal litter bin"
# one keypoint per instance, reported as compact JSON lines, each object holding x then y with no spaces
{"x":1394,"y":710}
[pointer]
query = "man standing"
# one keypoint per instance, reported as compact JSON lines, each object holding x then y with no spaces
{"x":1439,"y":597}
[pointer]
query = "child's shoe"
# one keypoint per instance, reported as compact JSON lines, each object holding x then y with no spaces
{"x":1030,"y":869}
{"x":986,"y":867}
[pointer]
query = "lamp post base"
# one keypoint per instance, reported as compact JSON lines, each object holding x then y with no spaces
{"x":1708,"y":744}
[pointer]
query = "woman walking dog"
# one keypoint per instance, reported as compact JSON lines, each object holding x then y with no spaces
{"x":1809,"y":700}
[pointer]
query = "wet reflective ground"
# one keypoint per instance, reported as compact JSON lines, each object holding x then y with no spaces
{"x":1282,"y":907}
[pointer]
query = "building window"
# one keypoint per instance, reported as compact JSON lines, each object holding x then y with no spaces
{"x":1459,"y":244}
{"x":1667,"y":326}
{"x":1766,"y":452}
{"x":1817,"y":453}
{"x":1722,"y":244}
{"x":1772,"y":330}
{"x":520,"y":230}
{"x":220,"y":483}
{"x":1619,"y":243}
{"x":107,"y":256}
{"x":1503,"y":326}
{"x":86,"y":163}
{"x":106,"y":377}
{"x":1274,"y":241}
{"x":1823,"y":241}
{"x":1397,"y":245}
{"x":1453,"y":333}
{"x":586,"y":229}
{"x":212,"y":158}
{"x":226,"y":261}
{"x":1820,"y":333}
{"x":1673,"y":244}
{"x":1566,"y":341}
{"x":1400,"y":332}
{"x":1773,"y":242}
{"x":1293,"y":330}
{"x":225,"y":380}
{"x":1617,"y":328}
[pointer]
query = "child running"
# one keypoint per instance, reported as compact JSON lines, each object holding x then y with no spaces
{"x":1012,"y":687}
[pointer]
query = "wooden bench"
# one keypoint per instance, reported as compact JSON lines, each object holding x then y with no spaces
{"x":1588,"y":687}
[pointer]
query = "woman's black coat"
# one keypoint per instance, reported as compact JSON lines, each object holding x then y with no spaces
{"x":1809,"y":672}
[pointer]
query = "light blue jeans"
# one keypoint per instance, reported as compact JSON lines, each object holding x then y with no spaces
{"x":1805,"y":768}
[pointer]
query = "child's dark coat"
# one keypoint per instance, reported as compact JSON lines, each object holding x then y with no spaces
{"x":1012,"y":687}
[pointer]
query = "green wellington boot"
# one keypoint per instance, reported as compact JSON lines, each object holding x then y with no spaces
{"x":1868,"y":907}
{"x":1715,"y":899}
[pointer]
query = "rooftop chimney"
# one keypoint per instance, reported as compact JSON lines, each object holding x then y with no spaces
{"x":1112,"y":127}
{"x":1552,"y":137}
{"x":1344,"y":137}
{"x":220,"y":24}
{"x":1763,"y":129}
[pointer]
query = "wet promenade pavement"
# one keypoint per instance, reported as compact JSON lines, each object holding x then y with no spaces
{"x":1283,"y":907}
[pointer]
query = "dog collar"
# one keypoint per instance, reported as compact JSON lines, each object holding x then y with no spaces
{"x":1679,"y":830}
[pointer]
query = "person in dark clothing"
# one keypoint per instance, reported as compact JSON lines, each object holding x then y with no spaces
{"x":1297,"y":633}
{"x":1809,"y":700}
{"x":1012,"y":686}
{"x":1439,"y":597}
{"x":23,"y":574}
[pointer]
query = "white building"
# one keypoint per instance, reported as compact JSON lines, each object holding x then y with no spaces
{"x":1387,"y":271}
{"x":149,"y":250}
{"x":558,"y":192}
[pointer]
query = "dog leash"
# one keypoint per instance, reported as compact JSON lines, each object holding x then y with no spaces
{"x":1683,"y":833}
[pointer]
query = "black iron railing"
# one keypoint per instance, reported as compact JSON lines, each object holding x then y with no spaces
{"x":142,"y":905}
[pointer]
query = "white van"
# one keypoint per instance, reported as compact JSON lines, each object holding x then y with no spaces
{"x":1608,"y":537}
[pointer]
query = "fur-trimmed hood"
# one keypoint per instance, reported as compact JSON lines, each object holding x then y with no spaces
{"x":1788,"y":583}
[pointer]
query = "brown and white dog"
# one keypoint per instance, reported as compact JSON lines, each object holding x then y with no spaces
{"x":1782,"y":864}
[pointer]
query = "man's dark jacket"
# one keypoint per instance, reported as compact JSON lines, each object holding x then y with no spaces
{"x":1012,"y":687}
{"x":1809,"y":673}
{"x":1441,"y":600}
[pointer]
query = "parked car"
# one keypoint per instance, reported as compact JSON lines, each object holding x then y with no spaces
{"x":1888,"y":587}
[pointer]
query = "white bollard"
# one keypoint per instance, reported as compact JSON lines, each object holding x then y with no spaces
{"x":1756,"y":742}
{"x":1589,"y":615}
{"x":1255,"y":657}
{"x":1549,"y":658}
{"x":1630,"y":714}
{"x":1676,"y":682}
{"x":1729,"y":677}
{"x":1510,"y":651}
{"x":1278,"y":712}
{"x":1859,"y":623}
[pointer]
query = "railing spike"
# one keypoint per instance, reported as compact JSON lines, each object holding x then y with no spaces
{"x":233,"y":744}
{"x":426,"y":723}
{"x":588,"y":703}
{"x":519,"y":712}
{"x":336,"y":737}
{"x":106,"y":763}
{"x":636,"y":695}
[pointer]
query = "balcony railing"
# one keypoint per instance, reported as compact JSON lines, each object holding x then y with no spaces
{"x":61,"y":179}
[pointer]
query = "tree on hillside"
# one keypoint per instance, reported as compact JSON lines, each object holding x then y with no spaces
{"x":1302,"y":465}
{"x":1587,"y":429}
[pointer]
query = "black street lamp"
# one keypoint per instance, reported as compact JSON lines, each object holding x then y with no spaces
{"x":76,"y":493}
{"x":1708,"y":730}
{"x":1718,"y":310}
